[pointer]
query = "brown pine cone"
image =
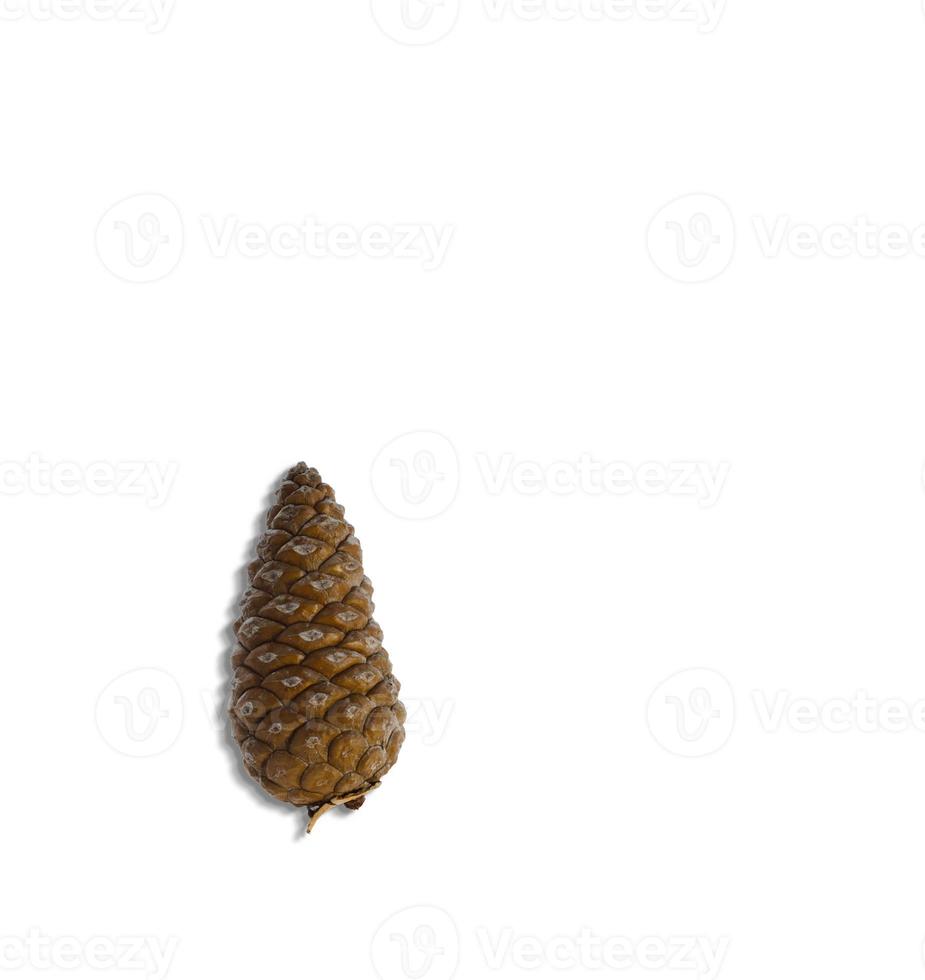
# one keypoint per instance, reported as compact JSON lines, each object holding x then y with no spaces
{"x":315,"y":706}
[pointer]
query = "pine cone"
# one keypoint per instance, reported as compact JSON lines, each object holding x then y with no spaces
{"x":315,"y":706}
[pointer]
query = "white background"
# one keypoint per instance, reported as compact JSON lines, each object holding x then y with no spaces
{"x":535,"y":610}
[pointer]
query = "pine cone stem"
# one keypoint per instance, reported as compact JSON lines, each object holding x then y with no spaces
{"x":353,"y":802}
